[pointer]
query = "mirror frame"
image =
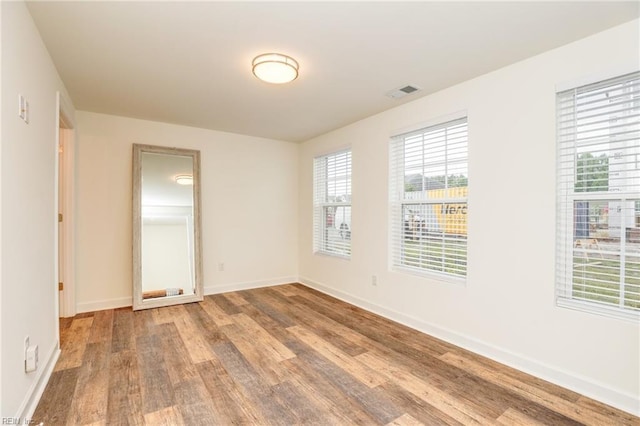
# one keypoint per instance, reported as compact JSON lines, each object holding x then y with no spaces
{"x":138,"y":302}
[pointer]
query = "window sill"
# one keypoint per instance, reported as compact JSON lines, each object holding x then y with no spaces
{"x":598,"y":309}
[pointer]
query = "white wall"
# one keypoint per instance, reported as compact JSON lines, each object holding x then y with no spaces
{"x":506,"y":310}
{"x":28,"y":292}
{"x":249,"y":206}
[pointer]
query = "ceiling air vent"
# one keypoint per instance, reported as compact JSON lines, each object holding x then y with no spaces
{"x":403,"y":91}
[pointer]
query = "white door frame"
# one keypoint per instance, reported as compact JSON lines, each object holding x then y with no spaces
{"x":65,"y":204}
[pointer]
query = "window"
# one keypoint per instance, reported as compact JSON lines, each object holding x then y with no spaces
{"x":428,"y":184}
{"x":332,"y":204}
{"x":598,"y":195}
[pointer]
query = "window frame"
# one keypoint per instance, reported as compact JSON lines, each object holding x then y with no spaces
{"x":449,"y":196}
{"x":321,"y":204}
{"x":568,"y":174}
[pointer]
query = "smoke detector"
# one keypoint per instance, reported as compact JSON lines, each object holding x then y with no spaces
{"x":403,"y":91}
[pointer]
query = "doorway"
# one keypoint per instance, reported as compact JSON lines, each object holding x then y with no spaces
{"x":65,"y":189}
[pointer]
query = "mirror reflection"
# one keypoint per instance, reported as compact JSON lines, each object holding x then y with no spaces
{"x":166,"y":226}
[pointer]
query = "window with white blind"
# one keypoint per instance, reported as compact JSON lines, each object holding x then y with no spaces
{"x":428,"y":195}
{"x":332,"y":204}
{"x":598,"y":197}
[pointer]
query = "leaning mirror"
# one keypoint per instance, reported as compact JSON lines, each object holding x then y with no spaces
{"x":167,"y":259}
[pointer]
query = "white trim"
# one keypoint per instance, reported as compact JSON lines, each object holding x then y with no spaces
{"x":247,"y":285}
{"x":598,"y":308}
{"x":334,"y":150}
{"x":585,"y":386}
{"x":123,"y":302}
{"x":429,"y":123}
{"x":586,"y":80}
{"x":101,"y":305}
{"x":33,"y":395}
{"x":65,"y":114}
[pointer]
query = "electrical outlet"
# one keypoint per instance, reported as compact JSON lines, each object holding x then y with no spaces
{"x":374,"y":280}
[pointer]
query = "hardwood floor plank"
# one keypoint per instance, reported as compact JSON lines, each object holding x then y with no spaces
{"x":193,"y":402}
{"x":143,"y":323}
{"x":65,"y":323}
{"x":287,"y":355}
{"x":513,"y":417}
{"x":168,"y":416}
{"x":265,"y":365}
{"x":377,"y":330}
{"x":417,"y":407}
{"x":231,"y":404}
{"x":297,"y":404}
{"x":371,"y":400}
{"x":204,"y":324}
{"x":236,"y":298}
{"x":156,"y":389}
{"x":259,"y":302}
{"x":192,"y":337}
{"x":443,"y":401}
{"x":339,"y":407}
{"x":175,"y":352}
{"x":102,"y":327}
{"x":256,"y":390}
{"x":344,"y":338}
{"x":405,"y":420}
{"x":287,"y":289}
{"x":73,"y":344}
{"x":122,"y":337}
{"x":90,"y":399}
{"x":216,"y":313}
{"x":262,"y":338}
{"x":362,"y":373}
{"x":225,"y":304}
{"x":614,"y":415}
{"x":125,"y":401}
{"x":167,"y":314}
{"x":60,"y":389}
{"x":529,"y":392}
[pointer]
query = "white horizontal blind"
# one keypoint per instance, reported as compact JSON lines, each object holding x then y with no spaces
{"x":598,"y":199}
{"x":428,"y":185}
{"x":332,"y":204}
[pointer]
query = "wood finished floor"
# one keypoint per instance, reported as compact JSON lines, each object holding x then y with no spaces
{"x":287,"y":355}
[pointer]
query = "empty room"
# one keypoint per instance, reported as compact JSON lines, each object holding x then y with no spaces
{"x":320,"y":213}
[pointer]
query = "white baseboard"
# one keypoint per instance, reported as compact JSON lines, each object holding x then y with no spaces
{"x":100,"y":305}
{"x":584,"y":386}
{"x":208,"y":290}
{"x":122,"y":302}
{"x":32,"y":398}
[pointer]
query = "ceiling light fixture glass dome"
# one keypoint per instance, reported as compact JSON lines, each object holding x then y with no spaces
{"x":184,"y":179}
{"x":275,"y":68}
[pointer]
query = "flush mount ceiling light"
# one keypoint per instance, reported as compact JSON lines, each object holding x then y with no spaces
{"x":184,"y":179}
{"x":275,"y":68}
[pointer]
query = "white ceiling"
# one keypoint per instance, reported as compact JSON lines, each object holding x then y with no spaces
{"x":190,"y":62}
{"x":159,"y":187}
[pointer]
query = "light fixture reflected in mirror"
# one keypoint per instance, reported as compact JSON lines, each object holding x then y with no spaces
{"x":275,"y":68}
{"x":184,"y":179}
